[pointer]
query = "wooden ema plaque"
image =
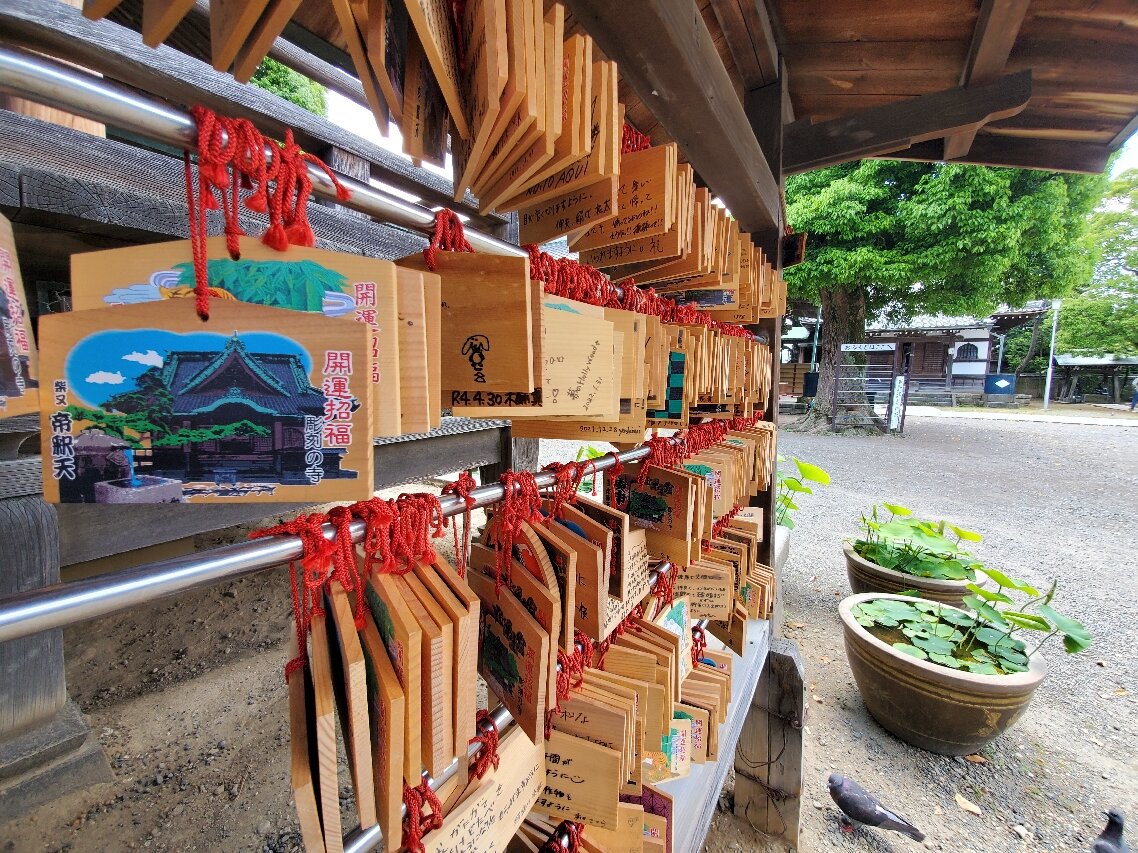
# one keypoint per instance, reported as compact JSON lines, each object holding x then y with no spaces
{"x":424,"y":121}
{"x":19,"y":369}
{"x":590,"y":590}
{"x":432,"y":21}
{"x":513,"y":655}
{"x":352,"y":18}
{"x":582,"y":781}
{"x":301,"y":279}
{"x":662,"y":506}
{"x":628,"y":837}
{"x":304,"y":763}
{"x":487,"y":325}
{"x":387,"y":714}
{"x":150,"y":405}
{"x":324,"y":718}
{"x":403,"y":639}
{"x":487,"y":819}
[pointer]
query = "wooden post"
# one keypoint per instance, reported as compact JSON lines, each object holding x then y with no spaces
{"x":45,"y":745}
{"x":768,"y":759}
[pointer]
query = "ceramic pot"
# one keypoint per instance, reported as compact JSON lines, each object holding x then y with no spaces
{"x":865,"y":576}
{"x":933,"y":707}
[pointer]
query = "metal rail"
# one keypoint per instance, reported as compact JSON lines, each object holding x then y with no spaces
{"x":65,"y":604}
{"x":36,"y":78}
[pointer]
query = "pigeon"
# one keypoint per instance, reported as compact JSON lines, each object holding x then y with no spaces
{"x":1110,"y":840}
{"x":860,"y":806}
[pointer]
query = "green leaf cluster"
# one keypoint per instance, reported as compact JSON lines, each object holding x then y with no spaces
{"x":790,"y":486}
{"x":291,"y":85}
{"x":299,"y":285}
{"x":940,"y":237}
{"x":985,"y":638}
{"x":894,"y":538}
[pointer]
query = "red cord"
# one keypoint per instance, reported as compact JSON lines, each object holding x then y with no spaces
{"x":487,"y":756}
{"x":462,"y":487}
{"x":698,"y":644}
{"x":520,"y":505}
{"x":415,"y":825}
{"x":632,"y":140}
{"x":448,"y":236}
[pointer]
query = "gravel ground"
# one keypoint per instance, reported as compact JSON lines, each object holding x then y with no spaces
{"x":1053,"y":501}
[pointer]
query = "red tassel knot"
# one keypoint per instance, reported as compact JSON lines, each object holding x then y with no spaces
{"x":462,"y":487}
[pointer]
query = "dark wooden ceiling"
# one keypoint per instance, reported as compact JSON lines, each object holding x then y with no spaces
{"x":843,"y":57}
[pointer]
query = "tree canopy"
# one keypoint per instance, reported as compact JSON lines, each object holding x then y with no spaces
{"x":940,"y":238}
{"x":291,"y":85}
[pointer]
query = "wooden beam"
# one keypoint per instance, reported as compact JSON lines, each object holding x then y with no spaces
{"x":765,"y":108}
{"x":996,"y":30}
{"x":902,"y":123}
{"x":1125,"y":133}
{"x":1057,"y":155}
{"x":746,"y":26}
{"x":674,"y":68}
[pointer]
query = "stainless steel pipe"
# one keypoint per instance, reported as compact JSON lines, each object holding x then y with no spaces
{"x":65,"y":604}
{"x":36,"y":78}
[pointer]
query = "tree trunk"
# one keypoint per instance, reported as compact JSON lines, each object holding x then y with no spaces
{"x":843,"y":322}
{"x":1031,"y":347}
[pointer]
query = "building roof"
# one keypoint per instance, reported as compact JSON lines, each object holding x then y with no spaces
{"x":1107,"y":360}
{"x":926,"y":323}
{"x":265,"y":383}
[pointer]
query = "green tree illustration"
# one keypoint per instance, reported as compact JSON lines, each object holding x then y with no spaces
{"x":299,"y":285}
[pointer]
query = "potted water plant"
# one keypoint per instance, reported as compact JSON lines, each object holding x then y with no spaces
{"x":951,"y":679}
{"x":899,"y":552}
{"x":791,"y":486}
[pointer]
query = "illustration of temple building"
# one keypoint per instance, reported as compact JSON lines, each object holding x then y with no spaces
{"x":269,"y":390}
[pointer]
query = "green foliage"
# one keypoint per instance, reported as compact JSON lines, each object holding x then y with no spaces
{"x":292,"y":86}
{"x":583,"y":453}
{"x":1095,"y":324}
{"x":936,"y":237}
{"x":788,"y":485}
{"x":299,"y":285}
{"x":920,"y":547}
{"x":982,"y":639}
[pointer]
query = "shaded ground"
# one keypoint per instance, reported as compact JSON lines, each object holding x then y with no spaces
{"x":1054,"y":501}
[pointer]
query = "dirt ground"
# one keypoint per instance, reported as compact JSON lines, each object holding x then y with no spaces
{"x":1054,"y":501}
{"x":187,"y":699}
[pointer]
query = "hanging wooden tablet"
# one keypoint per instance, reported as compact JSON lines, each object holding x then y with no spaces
{"x":513,"y":655}
{"x":438,"y":675}
{"x":676,"y":621}
{"x":591,"y":591}
{"x":302,"y":279}
{"x":403,"y":639}
{"x":423,"y":122}
{"x":231,"y":22}
{"x":96,"y":9}
{"x":432,"y":294}
{"x":151,"y":406}
{"x":631,"y":697}
{"x":434,"y":26}
{"x":487,"y":327}
{"x":19,"y":368}
{"x":387,"y":708}
{"x":349,"y":673}
{"x":585,"y":192}
{"x":536,"y":598}
{"x":662,"y":506}
{"x":324,"y":714}
{"x":527,"y":122}
{"x":414,"y":377}
{"x":303,"y":755}
{"x":732,"y":632}
{"x":582,"y":781}
{"x":562,"y":72}
{"x":160,"y":17}
{"x":489,"y":817}
{"x":456,"y":597}
{"x":563,"y":559}
{"x":386,"y":38}
{"x":585,"y":717}
{"x":352,"y":18}
{"x":628,"y":837}
{"x":484,"y":80}
{"x":253,"y":50}
{"x":698,"y":719}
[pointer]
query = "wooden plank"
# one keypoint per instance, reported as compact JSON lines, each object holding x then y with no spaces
{"x":987,"y":150}
{"x":877,"y":131}
{"x":673,"y":67}
{"x":992,"y":41}
{"x":769,"y":760}
{"x":879,"y":55}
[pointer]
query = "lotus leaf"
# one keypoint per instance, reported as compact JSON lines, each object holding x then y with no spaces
{"x":913,"y":651}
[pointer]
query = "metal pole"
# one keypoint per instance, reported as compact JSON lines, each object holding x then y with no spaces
{"x":36,"y":78}
{"x":1051,"y":354}
{"x":65,"y":604}
{"x":814,"y":343}
{"x":1000,"y":357}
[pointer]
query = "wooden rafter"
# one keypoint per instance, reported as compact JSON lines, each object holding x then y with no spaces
{"x":1059,"y":155}
{"x":898,"y":125}
{"x":746,"y":26}
{"x":996,"y":30}
{"x":674,"y":69}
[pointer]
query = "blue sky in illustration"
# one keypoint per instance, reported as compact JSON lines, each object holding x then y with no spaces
{"x":107,"y":363}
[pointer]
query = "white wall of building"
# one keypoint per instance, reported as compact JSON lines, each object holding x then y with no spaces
{"x":978,"y":338}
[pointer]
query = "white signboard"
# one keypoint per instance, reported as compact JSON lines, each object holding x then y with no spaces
{"x":869,"y":347}
{"x":898,"y":407}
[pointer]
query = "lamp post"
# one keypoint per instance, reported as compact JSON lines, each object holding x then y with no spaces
{"x":1051,"y":355}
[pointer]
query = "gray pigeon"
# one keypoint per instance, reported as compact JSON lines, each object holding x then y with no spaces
{"x":1110,"y":840}
{"x":860,"y":806}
